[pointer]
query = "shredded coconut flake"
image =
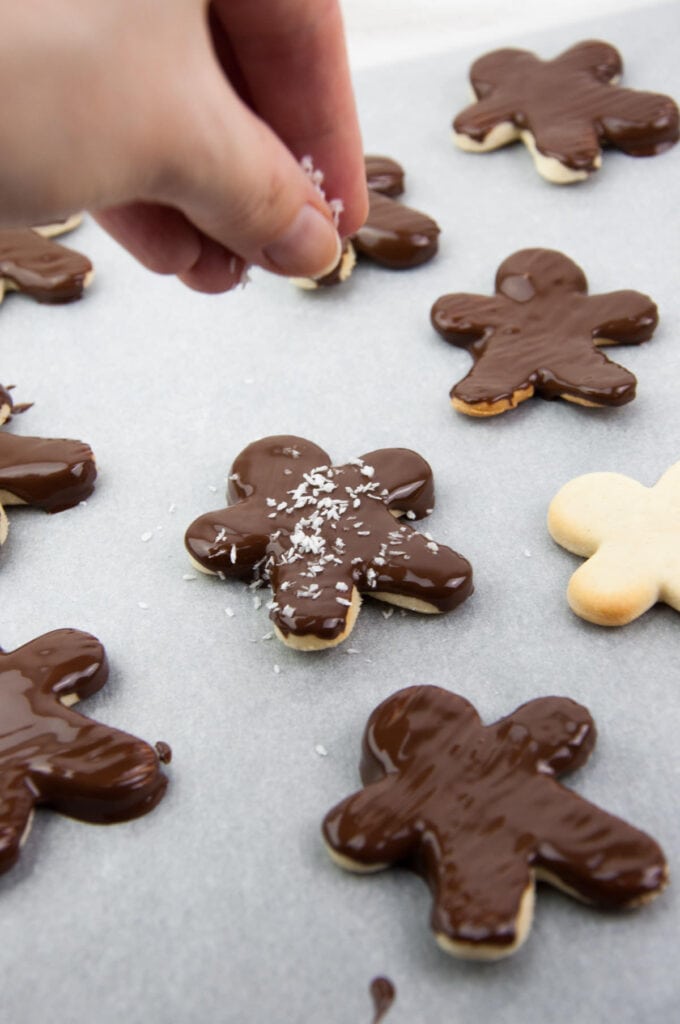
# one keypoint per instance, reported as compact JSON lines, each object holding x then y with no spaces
{"x":146,"y":536}
{"x":229,"y":612}
{"x":321,"y":750}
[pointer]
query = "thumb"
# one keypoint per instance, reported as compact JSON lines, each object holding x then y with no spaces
{"x":236,"y":182}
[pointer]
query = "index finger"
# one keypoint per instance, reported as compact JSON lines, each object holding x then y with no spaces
{"x":291,"y":62}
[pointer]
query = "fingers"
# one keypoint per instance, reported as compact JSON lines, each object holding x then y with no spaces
{"x":292,"y":66}
{"x":236,"y":182}
{"x":163,"y":240}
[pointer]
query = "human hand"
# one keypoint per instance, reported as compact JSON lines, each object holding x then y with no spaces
{"x":181,"y":126}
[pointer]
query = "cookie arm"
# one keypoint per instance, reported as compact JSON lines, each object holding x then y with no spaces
{"x":485,"y":125}
{"x":104,"y":776}
{"x":422,"y":575}
{"x":51,"y":474}
{"x":228,"y":541}
{"x":639,"y":123}
{"x":635,"y":319}
{"x":595,"y":856}
{"x":463,"y":319}
{"x":366,"y":833}
{"x":66,"y":663}
{"x":587,"y":508}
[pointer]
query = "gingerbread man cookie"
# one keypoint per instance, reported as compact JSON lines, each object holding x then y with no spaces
{"x":394,"y":235}
{"x":478,"y":812}
{"x":630,"y":535}
{"x":321,"y":536}
{"x":30,"y":262}
{"x":50,"y":474}
{"x":53,"y":756}
{"x":564,"y":110}
{"x":541,"y":334}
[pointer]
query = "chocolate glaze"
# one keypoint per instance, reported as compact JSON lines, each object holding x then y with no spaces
{"x":538,"y":331}
{"x":569,"y":105}
{"x":383,"y":994}
{"x":395,"y":235}
{"x":51,"y":755}
{"x":41,"y":267}
{"x":313,"y":532}
{"x":476,"y":810}
{"x":8,"y":407}
{"x":50,"y":474}
{"x":384,"y":175}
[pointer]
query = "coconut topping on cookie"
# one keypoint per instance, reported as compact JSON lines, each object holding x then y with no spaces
{"x":50,"y":755}
{"x":322,"y":535}
{"x":540,"y":334}
{"x":478,"y":812}
{"x":564,"y":110}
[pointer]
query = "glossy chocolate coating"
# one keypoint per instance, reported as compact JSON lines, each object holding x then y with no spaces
{"x":314,"y":532}
{"x":477,"y":811}
{"x":52,"y":755}
{"x":539,"y":331}
{"x":384,"y":175}
{"x":41,"y":267}
{"x":395,"y":235}
{"x":383,"y":994}
{"x":52,"y":474}
{"x":570,"y":105}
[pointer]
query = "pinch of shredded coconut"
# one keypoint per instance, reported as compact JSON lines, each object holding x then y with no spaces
{"x":232,"y":554}
{"x":229,"y":612}
{"x":321,"y":750}
{"x":341,"y":586}
{"x":316,"y":177}
{"x":410,"y":514}
{"x":172,"y":507}
{"x":277,"y":669}
{"x":189,"y":576}
{"x":343,"y":601}
{"x":146,"y":536}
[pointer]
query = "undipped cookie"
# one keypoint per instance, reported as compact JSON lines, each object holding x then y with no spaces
{"x":50,"y":755}
{"x":51,"y":474}
{"x":30,"y":262}
{"x":322,"y":535}
{"x":540,"y":334}
{"x":478,"y":812}
{"x":630,"y":535}
{"x":564,"y":110}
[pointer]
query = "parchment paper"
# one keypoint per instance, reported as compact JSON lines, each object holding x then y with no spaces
{"x":222,"y":905}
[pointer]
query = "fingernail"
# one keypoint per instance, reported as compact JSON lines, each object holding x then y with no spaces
{"x":310,"y":247}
